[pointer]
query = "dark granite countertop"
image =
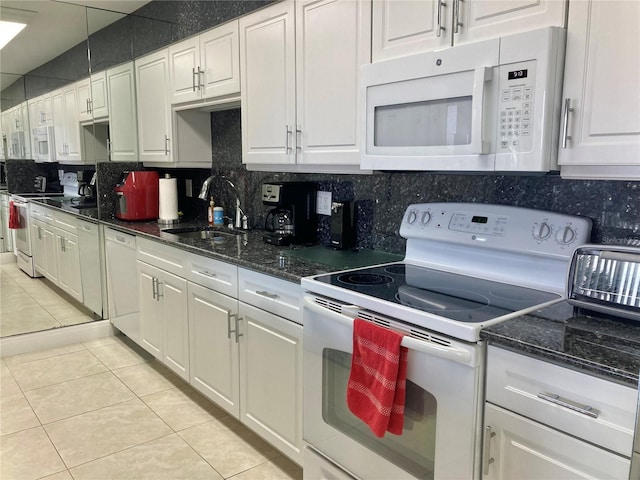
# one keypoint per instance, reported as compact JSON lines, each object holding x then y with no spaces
{"x":69,"y":206}
{"x":592,"y":343}
{"x":249,"y":250}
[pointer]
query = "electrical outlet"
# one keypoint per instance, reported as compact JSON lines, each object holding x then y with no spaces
{"x":188,"y":186}
{"x":323,"y":203}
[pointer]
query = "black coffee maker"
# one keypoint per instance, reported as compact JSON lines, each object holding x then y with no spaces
{"x":292,"y":216}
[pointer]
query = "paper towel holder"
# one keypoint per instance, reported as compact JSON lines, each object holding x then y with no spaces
{"x":166,"y":222}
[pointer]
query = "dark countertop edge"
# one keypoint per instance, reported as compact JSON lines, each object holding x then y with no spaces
{"x":581,"y":365}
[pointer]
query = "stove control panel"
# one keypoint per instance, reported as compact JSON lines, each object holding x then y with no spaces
{"x":496,"y":226}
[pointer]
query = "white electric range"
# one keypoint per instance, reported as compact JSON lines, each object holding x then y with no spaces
{"x":466,"y":266}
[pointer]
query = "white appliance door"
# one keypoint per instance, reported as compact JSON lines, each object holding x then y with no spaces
{"x":23,"y":243}
{"x":441,"y":410}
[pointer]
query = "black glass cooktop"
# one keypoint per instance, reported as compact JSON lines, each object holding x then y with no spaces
{"x":450,"y":295}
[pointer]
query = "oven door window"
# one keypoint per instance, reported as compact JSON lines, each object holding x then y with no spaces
{"x":413,"y":451}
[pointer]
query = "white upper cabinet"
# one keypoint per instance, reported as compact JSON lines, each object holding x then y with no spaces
{"x":300,"y":69}
{"x":40,"y":111}
{"x":16,"y":127}
{"x":154,"y":107}
{"x":123,"y":123}
{"x":206,"y":66}
{"x":92,"y":97}
{"x":403,"y":27}
{"x":600,"y":138}
{"x":66,"y":124}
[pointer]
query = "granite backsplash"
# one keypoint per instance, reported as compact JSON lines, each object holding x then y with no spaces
{"x":380,"y":198}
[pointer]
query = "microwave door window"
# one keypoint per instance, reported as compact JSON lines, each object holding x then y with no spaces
{"x":431,"y":123}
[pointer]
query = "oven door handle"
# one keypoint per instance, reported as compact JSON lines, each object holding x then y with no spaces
{"x":456,"y":354}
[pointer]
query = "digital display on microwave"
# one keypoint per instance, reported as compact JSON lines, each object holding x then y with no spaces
{"x":516,"y":74}
{"x":477,"y":219}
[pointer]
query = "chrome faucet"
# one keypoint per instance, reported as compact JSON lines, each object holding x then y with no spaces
{"x":241,"y":217}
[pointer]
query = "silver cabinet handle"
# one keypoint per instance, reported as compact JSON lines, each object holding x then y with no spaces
{"x":288,"y":133}
{"x":193,"y":79}
{"x":208,"y":274}
{"x":153,"y":288}
{"x":166,"y":145}
{"x":565,"y":122}
{"x":109,"y":147}
{"x":237,"y":319}
{"x":158,"y":294}
{"x":39,"y":233}
{"x":456,"y":21}
{"x":563,"y":402}
{"x":200,"y":79}
{"x":486,"y":449}
{"x":264,"y":293}
{"x":299,"y":137}
{"x":439,"y":26}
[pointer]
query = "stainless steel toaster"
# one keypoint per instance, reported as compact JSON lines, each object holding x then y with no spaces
{"x":606,"y":278}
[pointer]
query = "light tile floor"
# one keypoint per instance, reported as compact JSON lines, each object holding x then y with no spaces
{"x":106,"y":410}
{"x":33,"y":304}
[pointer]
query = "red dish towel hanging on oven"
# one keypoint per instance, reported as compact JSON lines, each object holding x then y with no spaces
{"x":377,"y":382}
{"x":14,"y":216}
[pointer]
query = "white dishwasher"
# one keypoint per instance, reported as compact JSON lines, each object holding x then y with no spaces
{"x":122,"y":283}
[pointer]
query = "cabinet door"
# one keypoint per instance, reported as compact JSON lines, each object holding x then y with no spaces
{"x":172,"y":291}
{"x":333,"y":39}
{"x":150,"y":310}
{"x":525,"y":449}
{"x":267,"y":63}
{"x":70,"y":278}
{"x":483,"y":19}
{"x":184,"y":65}
{"x":51,"y":253}
{"x":154,"y":107}
{"x":123,"y":124}
{"x":83,"y":92}
{"x":271,"y":355}
{"x":403,"y":27}
{"x":602,"y":68}
{"x":71,"y":125}
{"x":89,"y":254}
{"x":58,"y":114}
{"x":220,"y":61}
{"x":37,"y":246}
{"x":99,"y":105}
{"x":213,"y":348}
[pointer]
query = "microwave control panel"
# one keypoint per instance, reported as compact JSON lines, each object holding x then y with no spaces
{"x":516,"y":107}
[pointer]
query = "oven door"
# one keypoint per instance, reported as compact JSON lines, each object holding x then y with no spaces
{"x":22,"y":236}
{"x":442,"y":409}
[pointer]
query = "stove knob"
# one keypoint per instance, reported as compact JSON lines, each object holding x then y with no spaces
{"x":566,"y":235}
{"x":541,"y":231}
{"x":426,"y":218}
{"x":412,"y":217}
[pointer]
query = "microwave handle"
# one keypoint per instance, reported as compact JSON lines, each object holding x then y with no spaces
{"x":481,"y":76}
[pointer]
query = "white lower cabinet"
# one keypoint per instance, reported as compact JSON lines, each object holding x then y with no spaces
{"x":543,"y":421}
{"x":271,"y":379}
{"x":213,"y":347}
{"x":524,"y":449}
{"x":232,"y":333}
{"x":163,"y":322}
{"x":56,"y":252}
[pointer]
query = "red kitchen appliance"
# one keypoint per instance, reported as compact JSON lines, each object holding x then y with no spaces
{"x":137,"y":194}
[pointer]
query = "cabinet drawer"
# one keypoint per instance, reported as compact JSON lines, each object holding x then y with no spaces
{"x":271,"y":294}
{"x":125,"y":239}
{"x":41,"y":213}
{"x":219,"y":276}
{"x":162,"y":256}
{"x":64,"y":221}
{"x":516,"y":382}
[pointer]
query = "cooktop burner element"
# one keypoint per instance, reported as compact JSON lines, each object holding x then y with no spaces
{"x":357,"y":278}
{"x":466,"y":266}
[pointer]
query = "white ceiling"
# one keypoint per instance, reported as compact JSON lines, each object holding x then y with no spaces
{"x":54,"y":27}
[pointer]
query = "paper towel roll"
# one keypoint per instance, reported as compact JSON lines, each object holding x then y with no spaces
{"x":168,"y":207}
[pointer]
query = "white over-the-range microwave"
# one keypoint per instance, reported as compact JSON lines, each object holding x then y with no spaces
{"x":487,"y":106}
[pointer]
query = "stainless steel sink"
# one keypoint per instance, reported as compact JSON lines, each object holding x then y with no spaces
{"x":202,"y":233}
